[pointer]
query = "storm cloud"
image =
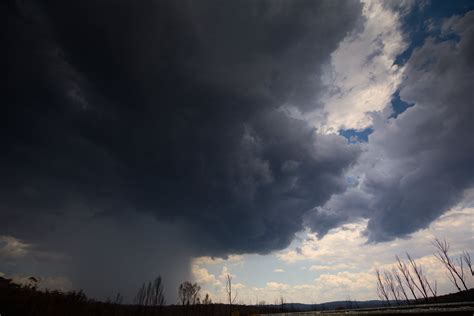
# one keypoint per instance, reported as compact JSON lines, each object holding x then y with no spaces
{"x":418,"y":165}
{"x":122,"y":114}
{"x":138,"y":135}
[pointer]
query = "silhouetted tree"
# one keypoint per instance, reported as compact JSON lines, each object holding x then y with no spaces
{"x":188,"y":293}
{"x":405,"y":271}
{"x":382,"y":291}
{"x":455,"y":271}
{"x":420,"y":281}
{"x":151,"y":294}
{"x":467,"y":259}
{"x":207,"y":300}
{"x":118,"y":299}
{"x":391,"y":287}
{"x":228,"y":289}
{"x":399,"y":284}
{"x":392,"y":283}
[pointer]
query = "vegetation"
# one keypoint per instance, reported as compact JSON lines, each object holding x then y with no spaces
{"x":28,"y":300}
{"x":402,"y":280}
{"x":150,"y":297}
{"x":189,"y":293}
{"x":406,"y":282}
{"x":455,"y":268}
{"x":228,"y":289}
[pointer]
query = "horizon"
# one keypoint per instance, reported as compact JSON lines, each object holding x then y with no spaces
{"x":295,"y":147}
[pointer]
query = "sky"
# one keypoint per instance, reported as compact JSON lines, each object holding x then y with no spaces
{"x":294,"y":145}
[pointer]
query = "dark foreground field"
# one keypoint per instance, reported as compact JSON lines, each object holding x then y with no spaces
{"x":25,"y":301}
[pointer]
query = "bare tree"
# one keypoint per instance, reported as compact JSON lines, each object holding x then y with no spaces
{"x":420,"y":280}
{"x":228,"y":289}
{"x":150,"y":294}
{"x":467,"y":259}
{"x":188,"y":293}
{"x":118,"y":299}
{"x":455,"y":271}
{"x":399,"y":284}
{"x":432,"y":288}
{"x":281,"y":301}
{"x":140,"y":297}
{"x":390,"y":286}
{"x":350,"y":304}
{"x":405,"y":271}
{"x":157,"y":294}
{"x":381,"y":289}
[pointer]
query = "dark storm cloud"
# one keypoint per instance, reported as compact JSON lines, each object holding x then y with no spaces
{"x":170,"y":110}
{"x":418,"y":165}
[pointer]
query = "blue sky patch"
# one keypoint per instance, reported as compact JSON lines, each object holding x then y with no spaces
{"x":398,"y":105}
{"x":417,"y":23}
{"x":355,"y":136}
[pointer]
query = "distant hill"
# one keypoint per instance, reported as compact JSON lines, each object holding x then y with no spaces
{"x":333,"y":305}
{"x":448,"y":298}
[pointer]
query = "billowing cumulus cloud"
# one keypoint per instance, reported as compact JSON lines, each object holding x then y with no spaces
{"x":418,"y":165}
{"x":362,"y":76}
{"x":363,"y":72}
{"x":137,"y":129}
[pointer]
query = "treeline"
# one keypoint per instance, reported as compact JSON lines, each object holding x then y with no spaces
{"x":27,"y":300}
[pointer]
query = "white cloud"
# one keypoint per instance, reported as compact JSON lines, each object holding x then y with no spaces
{"x":304,"y":287}
{"x":58,"y":283}
{"x":340,"y":266}
{"x":12,"y":248}
{"x":202,"y":275}
{"x":238,"y":286}
{"x":359,"y":285}
{"x":279,"y":270}
{"x":455,"y":225}
{"x":276,"y":286}
{"x":339,"y":242}
{"x":213,"y":284}
{"x":362,"y":76}
{"x":344,"y":249}
{"x":413,"y":168}
{"x":225,"y":272}
{"x":213,"y":260}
